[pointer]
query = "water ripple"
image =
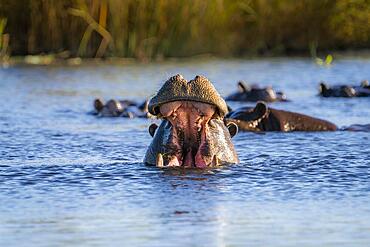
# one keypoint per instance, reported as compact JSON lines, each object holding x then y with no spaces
{"x":68,"y":178}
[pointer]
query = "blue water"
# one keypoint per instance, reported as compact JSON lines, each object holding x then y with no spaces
{"x":68,"y":178}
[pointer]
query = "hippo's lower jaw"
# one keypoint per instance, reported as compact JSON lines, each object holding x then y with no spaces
{"x":181,"y":152}
{"x":190,"y":136}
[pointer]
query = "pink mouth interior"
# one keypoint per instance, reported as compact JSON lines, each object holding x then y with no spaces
{"x":189,"y":132}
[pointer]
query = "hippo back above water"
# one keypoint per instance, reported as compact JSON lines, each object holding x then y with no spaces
{"x":255,"y":93}
{"x":346,"y":91}
{"x":263,"y":118}
{"x":121,"y":108}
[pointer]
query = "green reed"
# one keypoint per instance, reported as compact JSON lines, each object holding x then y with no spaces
{"x":153,"y":29}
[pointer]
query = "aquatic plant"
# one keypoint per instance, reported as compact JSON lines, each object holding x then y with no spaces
{"x":153,"y":29}
{"x":4,"y":42}
{"x":324,"y":62}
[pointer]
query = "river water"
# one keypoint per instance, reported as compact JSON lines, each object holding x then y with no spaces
{"x":68,"y":178}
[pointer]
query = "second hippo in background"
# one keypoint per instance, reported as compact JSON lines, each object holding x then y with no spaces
{"x":262,"y":118}
{"x":255,"y":93}
{"x":347,"y":91}
{"x":121,"y":108}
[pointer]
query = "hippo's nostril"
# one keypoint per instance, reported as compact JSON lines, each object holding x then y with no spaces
{"x":98,"y":104}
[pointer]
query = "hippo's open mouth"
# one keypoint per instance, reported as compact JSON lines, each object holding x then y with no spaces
{"x":187,"y":144}
{"x":192,"y":132}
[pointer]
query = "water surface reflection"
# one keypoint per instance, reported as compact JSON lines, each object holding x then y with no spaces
{"x":68,"y":178}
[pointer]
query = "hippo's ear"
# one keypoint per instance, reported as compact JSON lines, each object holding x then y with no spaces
{"x":233,"y":128}
{"x":144,"y":106}
{"x":98,"y":104}
{"x":261,"y":109}
{"x":152,"y":128}
{"x":323,"y":87}
{"x":229,"y":108}
{"x":242,"y":87}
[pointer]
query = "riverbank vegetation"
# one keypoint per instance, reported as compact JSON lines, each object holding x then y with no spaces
{"x":156,"y":29}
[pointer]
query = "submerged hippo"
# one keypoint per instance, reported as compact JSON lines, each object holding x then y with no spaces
{"x":262,"y":118}
{"x":121,"y":108}
{"x":192,"y":132}
{"x":255,"y":93}
{"x":345,"y":90}
{"x":357,"y":127}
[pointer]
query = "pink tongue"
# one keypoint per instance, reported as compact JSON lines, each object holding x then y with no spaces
{"x":199,"y":162}
{"x":188,"y":159}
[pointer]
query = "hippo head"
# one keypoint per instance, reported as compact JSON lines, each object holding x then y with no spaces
{"x":254,"y":93}
{"x":241,"y":94}
{"x":113,"y":108}
{"x":192,"y":132}
{"x":336,"y":91}
{"x":249,"y":118}
{"x":267,"y":94}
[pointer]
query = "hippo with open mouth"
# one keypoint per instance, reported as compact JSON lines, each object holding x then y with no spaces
{"x":192,"y":133}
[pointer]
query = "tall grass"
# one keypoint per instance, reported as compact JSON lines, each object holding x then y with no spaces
{"x":4,"y":42}
{"x":150,"y":29}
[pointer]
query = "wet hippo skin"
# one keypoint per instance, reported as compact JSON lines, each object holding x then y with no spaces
{"x":255,"y":93}
{"x":357,"y":128}
{"x":192,"y":133}
{"x":263,"y":118}
{"x":121,"y":108}
{"x":347,"y":91}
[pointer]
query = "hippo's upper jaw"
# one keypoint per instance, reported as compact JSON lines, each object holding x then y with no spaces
{"x":192,"y":133}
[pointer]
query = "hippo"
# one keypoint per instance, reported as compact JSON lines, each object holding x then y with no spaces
{"x":121,"y":108}
{"x":192,"y":133}
{"x":357,"y":128}
{"x":363,"y":90}
{"x":347,"y":91}
{"x":263,"y":118}
{"x":255,"y":93}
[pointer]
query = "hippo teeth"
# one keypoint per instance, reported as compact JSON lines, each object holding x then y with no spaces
{"x":172,"y":162}
{"x":159,"y":161}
